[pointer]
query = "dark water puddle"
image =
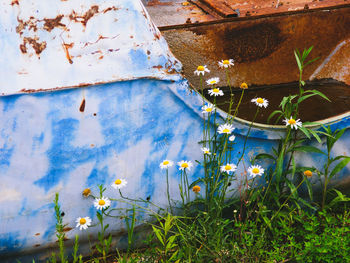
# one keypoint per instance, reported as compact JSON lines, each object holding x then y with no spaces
{"x":311,"y":109}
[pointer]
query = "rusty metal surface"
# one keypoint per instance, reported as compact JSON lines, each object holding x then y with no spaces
{"x":229,"y":8}
{"x":49,"y":45}
{"x":263,"y":47}
{"x":177,"y":12}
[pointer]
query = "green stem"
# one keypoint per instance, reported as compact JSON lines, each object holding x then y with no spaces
{"x":239,"y":103}
{"x":167,"y":190}
{"x":292,"y":192}
{"x":247,"y":135}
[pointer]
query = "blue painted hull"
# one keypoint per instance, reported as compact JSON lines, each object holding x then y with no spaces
{"x":50,"y":144}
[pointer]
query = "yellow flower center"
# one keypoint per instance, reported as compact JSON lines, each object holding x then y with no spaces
{"x":212,"y":81}
{"x":255,"y":170}
{"x":244,"y":85}
{"x":82,"y":221}
{"x":227,"y":167}
{"x":225,"y":130}
{"x":118,"y":181}
{"x":101,"y":202}
{"x":184,"y":165}
{"x":260,"y":100}
{"x":200,"y":68}
{"x":216,"y":90}
{"x":291,"y":121}
{"x":86,"y":192}
{"x":196,"y":188}
{"x":165,"y":162}
{"x":226,"y":62}
{"x":207,"y":152}
{"x":208,"y":109}
{"x":308,"y":173}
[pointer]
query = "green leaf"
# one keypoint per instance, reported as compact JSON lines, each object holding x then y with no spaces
{"x":158,"y":234}
{"x":293,"y":167}
{"x":298,"y":60}
{"x":305,"y":131}
{"x":315,"y":135}
{"x":173,"y":256}
{"x":309,"y":189}
{"x":319,"y":93}
{"x":263,"y":156}
{"x":339,"y":166}
{"x":308,"y":148}
{"x":340,"y":198}
{"x":310,"y":61}
{"x":196,"y":182}
{"x":337,"y":158}
{"x":305,"y":97}
{"x":283,"y":102}
{"x":273,"y":114}
{"x":337,"y":134}
{"x":170,"y":242}
{"x":302,"y":83}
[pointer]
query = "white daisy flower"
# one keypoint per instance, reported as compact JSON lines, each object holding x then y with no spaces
{"x":255,"y":170}
{"x":102,"y":203}
{"x":260,"y":102}
{"x":215,"y":92}
{"x":83,"y":222}
{"x":185,"y":165}
{"x":213,"y":81}
{"x":227,"y":63}
{"x":201,"y":70}
{"x":166,"y":164}
{"x":228,"y":168}
{"x":231,"y":138}
{"x":208,"y":108}
{"x":294,"y":124}
{"x":119,"y":183}
{"x":225,"y":128}
{"x":206,"y":150}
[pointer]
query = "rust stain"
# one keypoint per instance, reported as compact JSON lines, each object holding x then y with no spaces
{"x":37,"y":234}
{"x":34,"y":42}
{"x":158,"y":67}
{"x":245,"y":44}
{"x":110,"y":9}
{"x":157,"y":2}
{"x":86,"y":17}
{"x":227,"y":8}
{"x":23,"y":48}
{"x":15,"y":2}
{"x":66,"y":48}
{"x":82,"y":106}
{"x":157,"y":35}
{"x":20,"y":27}
{"x":31,"y":24}
{"x":221,"y":7}
{"x":100,"y":37}
{"x":113,"y":50}
{"x":66,"y":229}
{"x":52,"y":23}
{"x":101,"y":57}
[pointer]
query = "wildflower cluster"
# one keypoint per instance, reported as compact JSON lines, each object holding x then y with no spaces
{"x":102,"y":203}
